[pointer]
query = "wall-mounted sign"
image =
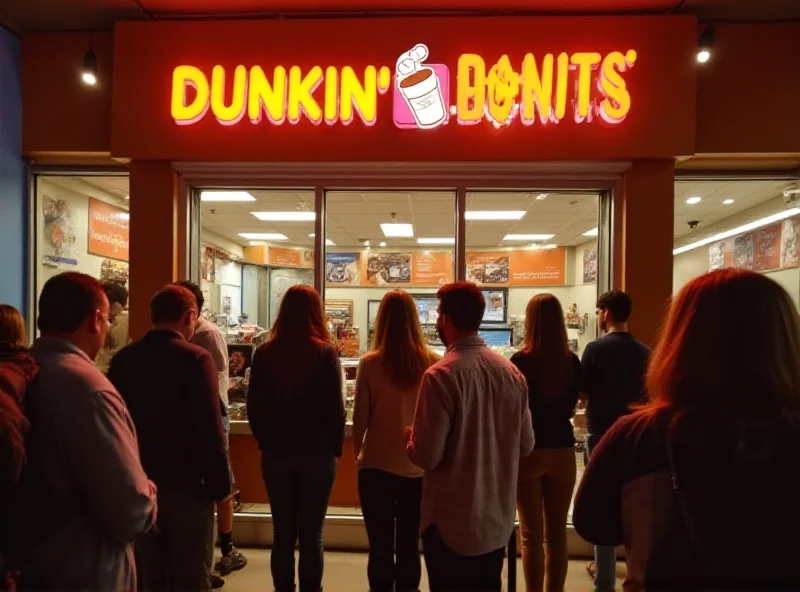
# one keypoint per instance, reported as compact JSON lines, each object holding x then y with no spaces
{"x":405,"y":89}
{"x":109,"y":230}
{"x":540,"y":88}
{"x":765,"y":249}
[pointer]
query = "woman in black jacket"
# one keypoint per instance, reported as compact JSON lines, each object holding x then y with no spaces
{"x":296,"y":410}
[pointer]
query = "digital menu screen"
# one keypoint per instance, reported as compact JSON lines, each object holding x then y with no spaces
{"x":495,"y":306}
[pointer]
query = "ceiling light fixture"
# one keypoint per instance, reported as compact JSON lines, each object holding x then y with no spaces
{"x":495,"y":215}
{"x":89,"y":67}
{"x":329,"y":243}
{"x":694,"y":200}
{"x":549,"y":247}
{"x":383,"y":244}
{"x":226,"y":196}
{"x":285,"y":216}
{"x":528,"y":237}
{"x":366,"y":243}
{"x":727,"y":202}
{"x":592,"y":232}
{"x":541,"y":197}
{"x":738,"y":230}
{"x":127,"y":198}
{"x":276,"y":236}
{"x":394,"y":229}
{"x":436,"y":241}
{"x":705,"y":44}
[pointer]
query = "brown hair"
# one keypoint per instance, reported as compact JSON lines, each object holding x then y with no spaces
{"x":399,"y":341}
{"x":67,"y":300}
{"x":300,"y":318}
{"x":731,"y":341}
{"x":12,"y":326}
{"x":171,"y":303}
{"x":546,"y":340}
{"x":463,"y":303}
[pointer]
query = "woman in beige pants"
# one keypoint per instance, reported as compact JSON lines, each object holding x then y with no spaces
{"x":547,"y":476}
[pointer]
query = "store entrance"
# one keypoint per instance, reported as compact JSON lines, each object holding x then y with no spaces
{"x":257,"y":242}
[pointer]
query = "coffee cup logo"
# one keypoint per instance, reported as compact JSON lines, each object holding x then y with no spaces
{"x":421,"y":91}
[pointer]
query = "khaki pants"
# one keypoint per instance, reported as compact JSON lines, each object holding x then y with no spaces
{"x":544,"y":493}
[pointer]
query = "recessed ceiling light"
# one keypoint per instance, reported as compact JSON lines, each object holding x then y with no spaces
{"x":436,"y":241}
{"x":592,"y":232}
{"x":534,"y":246}
{"x":312,"y":235}
{"x":329,"y":242}
{"x":727,"y":202}
{"x":738,"y":230}
{"x":397,"y":230}
{"x":541,"y":197}
{"x":366,"y":243}
{"x":285,"y":216}
{"x":495,"y":215}
{"x":528,"y":237}
{"x":263,"y":236}
{"x":127,"y":197}
{"x":694,"y":200}
{"x":226,"y":196}
{"x":383,"y":244}
{"x":258,"y":243}
{"x":550,"y":246}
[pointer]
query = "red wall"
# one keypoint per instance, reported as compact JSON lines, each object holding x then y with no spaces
{"x":59,"y":112}
{"x":748,"y":94}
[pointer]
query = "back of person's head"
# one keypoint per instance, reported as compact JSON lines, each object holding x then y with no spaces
{"x":546,"y":339}
{"x":618,"y":303}
{"x":463,"y":304}
{"x":731,"y":342}
{"x":194,"y":289}
{"x":399,"y":340}
{"x":176,"y":307}
{"x":12,"y":326}
{"x":300,"y":318}
{"x":67,"y":301}
{"x":116,"y":292}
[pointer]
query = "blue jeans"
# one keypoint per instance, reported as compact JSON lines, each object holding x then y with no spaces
{"x":605,"y":558}
{"x":299,"y":488}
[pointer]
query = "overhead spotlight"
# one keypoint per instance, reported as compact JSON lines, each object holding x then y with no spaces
{"x":705,"y":45}
{"x":89,"y":69}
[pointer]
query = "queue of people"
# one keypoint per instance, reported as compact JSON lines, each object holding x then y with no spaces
{"x":689,"y":452}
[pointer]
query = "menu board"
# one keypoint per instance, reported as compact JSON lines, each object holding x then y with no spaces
{"x":743,"y":251}
{"x":535,"y":267}
{"x":388,"y":269}
{"x":280,"y":257}
{"x":590,"y":265}
{"x":342,"y":269}
{"x":431,"y":269}
{"x":109,"y":230}
{"x":767,"y":248}
{"x":495,"y":306}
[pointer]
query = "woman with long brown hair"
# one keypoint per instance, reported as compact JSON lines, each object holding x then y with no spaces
{"x":700,"y":484}
{"x":547,"y":476}
{"x":389,"y":484}
{"x":295,"y":407}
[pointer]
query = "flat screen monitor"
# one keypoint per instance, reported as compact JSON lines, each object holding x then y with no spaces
{"x":496,"y":336}
{"x":496,"y":306}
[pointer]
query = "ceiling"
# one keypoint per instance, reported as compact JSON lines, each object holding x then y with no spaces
{"x":39,"y":15}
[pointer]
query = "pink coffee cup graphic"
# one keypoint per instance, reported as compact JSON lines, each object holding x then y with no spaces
{"x":421,"y":92}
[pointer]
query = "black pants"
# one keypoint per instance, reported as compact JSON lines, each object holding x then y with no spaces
{"x":299,"y":489}
{"x":391,"y":514}
{"x":174,"y":555}
{"x":450,"y":572}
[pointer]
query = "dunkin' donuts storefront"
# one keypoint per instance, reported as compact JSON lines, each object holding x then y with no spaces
{"x":358,"y":156}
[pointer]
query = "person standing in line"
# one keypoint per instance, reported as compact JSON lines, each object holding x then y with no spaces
{"x":613,"y":374}
{"x":117,"y":337}
{"x":547,"y":476}
{"x":701,"y":483}
{"x":92,"y":499}
{"x":172,"y":391}
{"x":295,"y":405}
{"x":17,"y":370}
{"x":208,"y":336}
{"x":471,"y":427}
{"x":389,"y":484}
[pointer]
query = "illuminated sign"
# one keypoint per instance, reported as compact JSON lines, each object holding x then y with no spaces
{"x":544,"y":89}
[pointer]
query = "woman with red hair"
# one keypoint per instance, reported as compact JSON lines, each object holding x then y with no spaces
{"x":701,"y":484}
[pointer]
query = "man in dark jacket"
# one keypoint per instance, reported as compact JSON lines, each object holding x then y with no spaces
{"x":172,"y":393}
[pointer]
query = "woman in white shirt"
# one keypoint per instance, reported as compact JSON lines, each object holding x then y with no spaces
{"x":389,"y":484}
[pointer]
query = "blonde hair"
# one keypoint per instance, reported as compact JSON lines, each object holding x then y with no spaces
{"x":399,"y":341}
{"x":12,"y":326}
{"x":731,"y":341}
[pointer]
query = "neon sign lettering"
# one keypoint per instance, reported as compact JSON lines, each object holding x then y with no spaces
{"x":546,"y":89}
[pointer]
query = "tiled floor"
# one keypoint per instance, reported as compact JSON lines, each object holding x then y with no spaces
{"x":347,"y":572}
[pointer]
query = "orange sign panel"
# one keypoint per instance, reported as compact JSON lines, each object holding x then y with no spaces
{"x":109,"y":230}
{"x":432,"y":269}
{"x":540,"y":267}
{"x":280,"y":257}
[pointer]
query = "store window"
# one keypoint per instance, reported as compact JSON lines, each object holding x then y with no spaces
{"x":83,"y":225}
{"x":520,"y":244}
{"x":378,"y":241}
{"x":749,"y":224}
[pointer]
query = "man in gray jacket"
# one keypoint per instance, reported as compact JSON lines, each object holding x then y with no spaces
{"x":83,"y":497}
